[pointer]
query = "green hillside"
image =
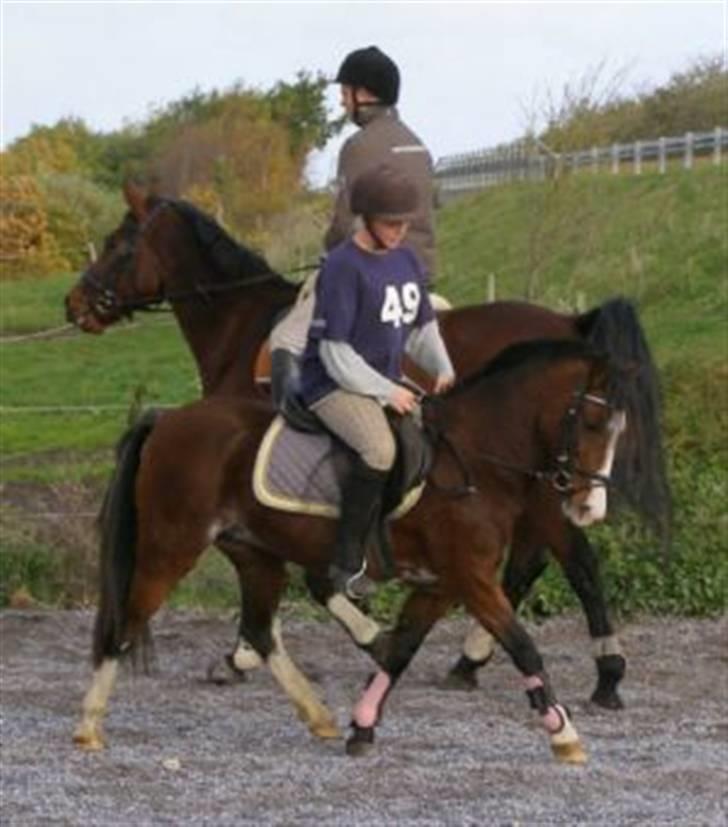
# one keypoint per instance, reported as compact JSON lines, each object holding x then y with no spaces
{"x":572,"y":242}
{"x":661,"y":240}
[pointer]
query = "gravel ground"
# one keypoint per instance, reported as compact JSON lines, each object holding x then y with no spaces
{"x":183,"y":751}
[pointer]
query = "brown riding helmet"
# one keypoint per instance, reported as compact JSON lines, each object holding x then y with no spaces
{"x":385,"y":193}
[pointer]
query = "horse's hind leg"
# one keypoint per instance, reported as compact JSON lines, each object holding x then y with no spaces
{"x":121,"y":623}
{"x":89,"y":733}
{"x":258,"y":628}
{"x":581,"y":567}
{"x":420,"y":612}
{"x":243,"y":658}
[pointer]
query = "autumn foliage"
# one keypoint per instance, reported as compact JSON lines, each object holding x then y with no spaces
{"x":239,"y":155}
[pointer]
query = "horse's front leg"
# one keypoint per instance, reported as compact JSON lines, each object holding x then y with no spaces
{"x":581,"y":567}
{"x":419,"y":613}
{"x":526,"y":562}
{"x":486,"y":601}
{"x":363,"y":630}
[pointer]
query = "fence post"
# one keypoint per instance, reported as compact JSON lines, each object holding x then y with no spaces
{"x":662,"y":155}
{"x":490,"y":295}
{"x":595,"y":159}
{"x":638,"y":157}
{"x":688,"y":163}
{"x":615,"y":159}
{"x":718,"y":137}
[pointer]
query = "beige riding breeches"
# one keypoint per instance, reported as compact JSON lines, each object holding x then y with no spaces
{"x":361,"y":423}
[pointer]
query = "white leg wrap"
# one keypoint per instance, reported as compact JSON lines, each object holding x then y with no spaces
{"x":245,"y":657}
{"x":88,"y":733}
{"x":296,"y":686}
{"x":479,"y":644}
{"x":362,"y":629}
{"x":567,"y":734}
{"x":94,"y":704}
{"x":608,"y":645}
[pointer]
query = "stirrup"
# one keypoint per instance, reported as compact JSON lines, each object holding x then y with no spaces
{"x":355,"y":586}
{"x":417,"y":576}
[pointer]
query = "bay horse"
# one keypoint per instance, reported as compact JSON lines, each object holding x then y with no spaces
{"x":226,"y":298}
{"x":543,"y":411}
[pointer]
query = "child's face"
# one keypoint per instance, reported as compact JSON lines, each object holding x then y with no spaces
{"x":390,"y":233}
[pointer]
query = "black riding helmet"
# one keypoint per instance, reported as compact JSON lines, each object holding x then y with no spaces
{"x":373,"y":70}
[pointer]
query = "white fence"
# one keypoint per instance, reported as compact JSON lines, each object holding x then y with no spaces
{"x":467,"y":172}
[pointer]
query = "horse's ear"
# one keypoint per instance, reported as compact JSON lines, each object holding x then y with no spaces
{"x":135,"y":195}
{"x":599,"y":374}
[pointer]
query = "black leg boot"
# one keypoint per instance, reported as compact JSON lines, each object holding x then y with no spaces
{"x":284,"y":375}
{"x":360,"y":503}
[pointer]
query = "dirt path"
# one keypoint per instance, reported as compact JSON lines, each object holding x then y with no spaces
{"x":186,"y":752}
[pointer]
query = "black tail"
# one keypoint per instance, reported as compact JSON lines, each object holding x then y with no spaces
{"x":639,"y":471}
{"x":117,"y":522}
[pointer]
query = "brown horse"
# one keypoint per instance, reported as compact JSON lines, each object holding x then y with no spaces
{"x":541,"y":412}
{"x":226,"y":298}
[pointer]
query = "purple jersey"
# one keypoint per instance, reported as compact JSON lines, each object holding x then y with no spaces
{"x":370,"y":301}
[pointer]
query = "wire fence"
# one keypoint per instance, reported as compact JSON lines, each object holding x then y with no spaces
{"x":531,"y":160}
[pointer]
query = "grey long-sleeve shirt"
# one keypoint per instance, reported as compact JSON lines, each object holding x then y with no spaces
{"x":351,"y":372}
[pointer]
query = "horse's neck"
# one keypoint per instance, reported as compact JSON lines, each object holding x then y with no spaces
{"x":224,"y":333}
{"x":498,"y":418}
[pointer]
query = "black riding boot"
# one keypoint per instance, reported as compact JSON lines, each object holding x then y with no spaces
{"x":360,"y":505}
{"x":285,"y":374}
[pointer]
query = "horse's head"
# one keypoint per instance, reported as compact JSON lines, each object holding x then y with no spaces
{"x":585,"y":436}
{"x":125,"y":276}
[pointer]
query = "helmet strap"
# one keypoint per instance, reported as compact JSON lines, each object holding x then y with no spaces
{"x":361,"y":108}
{"x":378,"y":243}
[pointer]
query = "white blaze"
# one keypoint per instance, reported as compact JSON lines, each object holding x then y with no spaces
{"x":594,"y":507}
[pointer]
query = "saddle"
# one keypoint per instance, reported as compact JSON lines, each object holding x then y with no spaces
{"x":301,"y":470}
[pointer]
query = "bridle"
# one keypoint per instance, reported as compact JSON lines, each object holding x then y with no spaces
{"x":562,"y":474}
{"x":104,"y":299}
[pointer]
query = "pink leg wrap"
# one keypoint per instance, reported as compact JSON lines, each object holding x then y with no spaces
{"x":552,"y":719}
{"x":366,"y":711}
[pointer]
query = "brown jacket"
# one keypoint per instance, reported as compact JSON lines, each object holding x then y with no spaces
{"x":385,"y":139}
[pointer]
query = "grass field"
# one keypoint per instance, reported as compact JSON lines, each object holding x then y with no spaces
{"x":660,"y":240}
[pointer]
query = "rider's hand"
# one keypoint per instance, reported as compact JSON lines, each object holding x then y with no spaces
{"x":402,"y":400}
{"x":443,"y":382}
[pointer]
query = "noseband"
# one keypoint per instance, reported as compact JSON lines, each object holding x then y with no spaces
{"x":565,"y":470}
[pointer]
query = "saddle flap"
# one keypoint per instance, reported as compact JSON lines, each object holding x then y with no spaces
{"x":303,"y":473}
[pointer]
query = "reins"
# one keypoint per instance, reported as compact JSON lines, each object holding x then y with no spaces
{"x":561,"y":476}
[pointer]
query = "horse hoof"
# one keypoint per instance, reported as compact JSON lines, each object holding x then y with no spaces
{"x":357,"y":749}
{"x":222,"y":675}
{"x":327,"y":730}
{"x":456,"y":681}
{"x":360,"y":742}
{"x":89,"y":743}
{"x":571,"y":753}
{"x":607,"y":700}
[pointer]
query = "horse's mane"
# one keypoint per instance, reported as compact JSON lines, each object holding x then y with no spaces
{"x":530,"y":354}
{"x":229,"y":257}
{"x":640,"y":469}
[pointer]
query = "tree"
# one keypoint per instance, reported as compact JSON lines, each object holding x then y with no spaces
{"x":26,"y":245}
